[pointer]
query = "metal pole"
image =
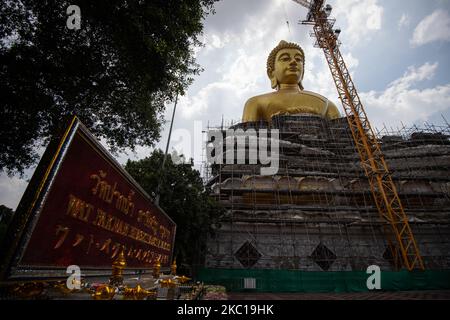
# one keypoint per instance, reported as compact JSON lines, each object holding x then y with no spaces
{"x":167,"y":150}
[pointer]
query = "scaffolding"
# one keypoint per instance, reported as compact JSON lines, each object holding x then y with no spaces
{"x":317,"y":212}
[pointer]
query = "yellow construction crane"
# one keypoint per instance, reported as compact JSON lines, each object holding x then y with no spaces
{"x":400,"y":238}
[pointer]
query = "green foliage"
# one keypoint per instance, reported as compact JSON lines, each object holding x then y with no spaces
{"x":6,"y":215}
{"x":184,"y":198}
{"x":115,"y":73}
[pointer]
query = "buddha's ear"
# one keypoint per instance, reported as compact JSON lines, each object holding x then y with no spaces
{"x":273,"y":82}
{"x":273,"y":78}
{"x":300,"y":85}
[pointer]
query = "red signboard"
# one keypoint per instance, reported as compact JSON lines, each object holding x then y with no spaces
{"x":86,"y":210}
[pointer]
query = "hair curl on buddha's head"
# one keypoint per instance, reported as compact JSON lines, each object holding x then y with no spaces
{"x":273,"y":54}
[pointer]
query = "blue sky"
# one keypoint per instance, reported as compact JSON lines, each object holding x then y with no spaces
{"x":392,"y":41}
{"x":397,"y":51}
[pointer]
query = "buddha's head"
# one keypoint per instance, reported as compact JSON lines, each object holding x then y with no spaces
{"x":286,"y":64}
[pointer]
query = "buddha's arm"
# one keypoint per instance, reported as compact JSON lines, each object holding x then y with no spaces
{"x":251,"y":111}
{"x":332,"y":111}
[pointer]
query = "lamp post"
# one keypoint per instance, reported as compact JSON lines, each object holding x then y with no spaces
{"x":165,"y":154}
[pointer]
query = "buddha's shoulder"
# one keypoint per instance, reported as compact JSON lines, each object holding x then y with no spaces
{"x":268,"y":98}
{"x":261,"y":99}
{"x":313,"y":95}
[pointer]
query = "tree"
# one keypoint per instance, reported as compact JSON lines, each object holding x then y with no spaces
{"x":115,"y":73}
{"x":5,"y":217}
{"x":184,"y":199}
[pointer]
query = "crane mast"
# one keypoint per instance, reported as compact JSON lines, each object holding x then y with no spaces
{"x":399,"y":235}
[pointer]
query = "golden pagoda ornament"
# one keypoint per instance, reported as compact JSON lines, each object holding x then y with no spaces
{"x":138,"y":293}
{"x":173,"y":267}
{"x":117,"y":269}
{"x":157,"y":268}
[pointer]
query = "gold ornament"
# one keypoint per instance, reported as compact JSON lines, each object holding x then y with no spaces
{"x":117,"y":269}
{"x":104,"y":292}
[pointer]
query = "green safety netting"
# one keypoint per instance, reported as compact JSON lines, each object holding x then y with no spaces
{"x":343,"y":281}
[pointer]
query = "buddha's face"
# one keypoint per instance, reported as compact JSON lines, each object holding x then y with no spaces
{"x":288,"y":67}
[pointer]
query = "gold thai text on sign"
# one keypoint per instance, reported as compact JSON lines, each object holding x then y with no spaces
{"x":156,"y":235}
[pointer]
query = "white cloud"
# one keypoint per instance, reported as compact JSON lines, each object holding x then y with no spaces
{"x":435,"y":27}
{"x":235,"y":59}
{"x":239,"y":73}
{"x":12,"y":190}
{"x":208,"y":99}
{"x":350,"y":61}
{"x":401,"y":101}
{"x":362,"y":17}
{"x":318,"y":79}
{"x":215,"y":41}
{"x":404,"y":21}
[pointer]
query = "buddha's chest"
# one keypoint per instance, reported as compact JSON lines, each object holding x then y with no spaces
{"x":294,"y":104}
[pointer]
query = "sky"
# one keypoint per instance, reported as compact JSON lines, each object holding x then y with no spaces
{"x":398,"y":53}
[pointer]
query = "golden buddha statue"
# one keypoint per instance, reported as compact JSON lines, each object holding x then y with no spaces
{"x":285,"y":68}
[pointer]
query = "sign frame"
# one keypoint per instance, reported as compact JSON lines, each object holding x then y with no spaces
{"x":34,"y":199}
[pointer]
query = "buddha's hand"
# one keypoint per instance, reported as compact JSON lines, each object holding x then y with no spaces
{"x":280,"y":113}
{"x":288,"y":111}
{"x":295,"y":110}
{"x":300,"y":109}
